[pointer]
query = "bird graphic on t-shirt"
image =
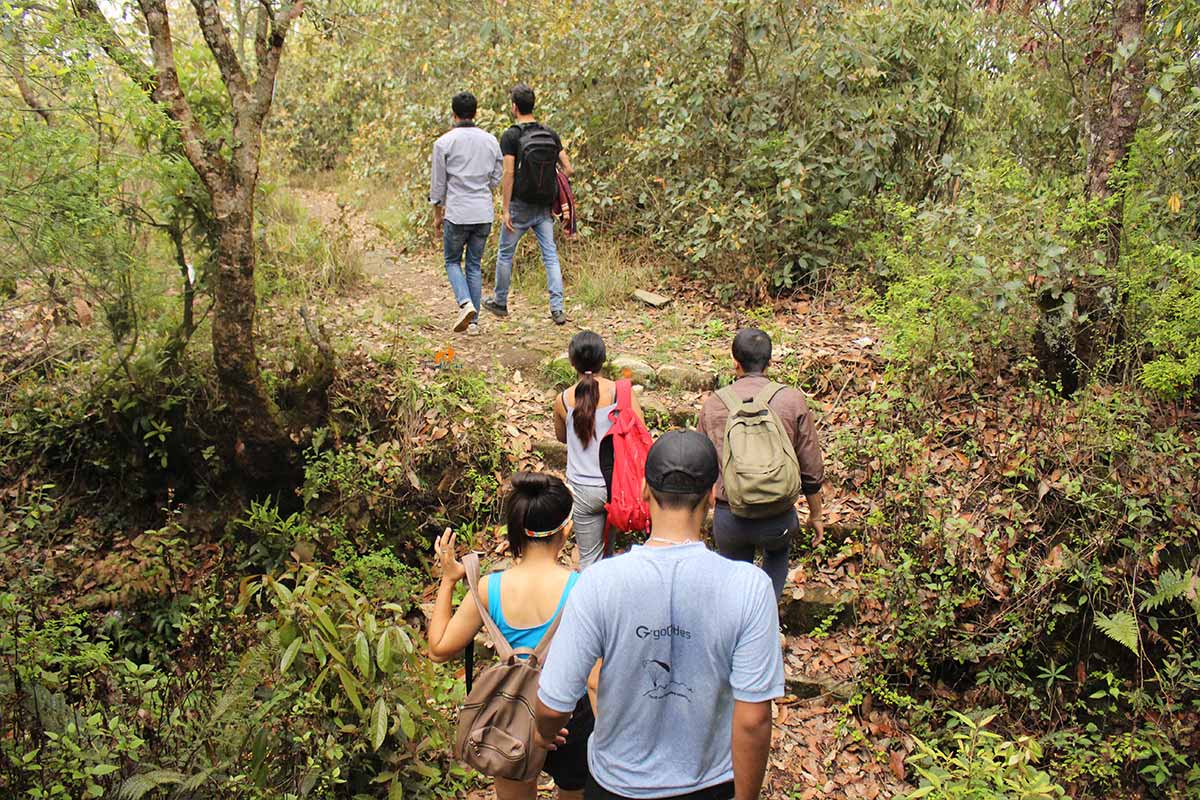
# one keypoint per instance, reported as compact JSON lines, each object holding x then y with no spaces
{"x":661,"y":684}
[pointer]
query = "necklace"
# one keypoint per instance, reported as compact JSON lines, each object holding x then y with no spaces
{"x":670,"y":541}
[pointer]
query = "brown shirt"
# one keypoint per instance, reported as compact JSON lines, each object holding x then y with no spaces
{"x":791,"y":408}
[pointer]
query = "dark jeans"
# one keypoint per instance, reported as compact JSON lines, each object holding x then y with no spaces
{"x":739,"y":538}
{"x":467,"y":283}
{"x":723,"y":791}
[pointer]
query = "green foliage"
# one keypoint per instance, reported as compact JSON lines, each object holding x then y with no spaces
{"x":980,"y":765}
{"x":1170,"y":298}
{"x":354,"y":673}
{"x":1121,"y":627}
{"x":153,"y":427}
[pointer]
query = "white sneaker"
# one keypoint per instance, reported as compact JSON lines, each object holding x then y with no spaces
{"x":466,"y":316}
{"x":473,"y":329}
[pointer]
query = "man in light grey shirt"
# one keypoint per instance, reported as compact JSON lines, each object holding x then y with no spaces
{"x":690,"y":648}
{"x":466,"y":168}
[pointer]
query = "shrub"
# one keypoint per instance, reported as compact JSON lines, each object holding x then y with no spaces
{"x":982,"y":765}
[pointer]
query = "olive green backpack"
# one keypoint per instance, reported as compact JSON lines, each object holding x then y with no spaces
{"x":758,"y":461}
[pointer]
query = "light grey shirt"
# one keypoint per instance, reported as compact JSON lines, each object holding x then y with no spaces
{"x":466,"y":167}
{"x":683,"y":633}
{"x":583,"y":460}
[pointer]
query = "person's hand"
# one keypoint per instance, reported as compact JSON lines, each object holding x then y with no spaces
{"x":453,"y":570}
{"x":437,"y":225}
{"x":508,"y":223}
{"x":817,"y":523}
{"x":559,"y":739}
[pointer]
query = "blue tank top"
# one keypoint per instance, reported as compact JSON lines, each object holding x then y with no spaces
{"x":522,"y":637}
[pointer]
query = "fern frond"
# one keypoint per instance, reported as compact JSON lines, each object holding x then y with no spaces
{"x":194,"y":782}
{"x":1121,"y":627}
{"x":135,"y":787}
{"x":1171,"y":584}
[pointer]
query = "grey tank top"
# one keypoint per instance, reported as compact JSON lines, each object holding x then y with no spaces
{"x":583,"y":461}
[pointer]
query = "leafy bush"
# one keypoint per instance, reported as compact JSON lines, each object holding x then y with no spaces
{"x":358,"y":711}
{"x":981,"y":766}
{"x":1170,"y":304}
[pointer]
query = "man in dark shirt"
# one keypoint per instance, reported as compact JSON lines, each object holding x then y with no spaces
{"x":737,"y":537}
{"x":521,"y":214}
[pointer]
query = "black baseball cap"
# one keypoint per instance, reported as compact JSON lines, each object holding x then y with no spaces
{"x":682,"y":462}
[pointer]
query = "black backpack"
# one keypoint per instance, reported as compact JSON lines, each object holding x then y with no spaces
{"x":536,"y":181}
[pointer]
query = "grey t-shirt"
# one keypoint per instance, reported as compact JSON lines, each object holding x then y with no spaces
{"x":683,"y":633}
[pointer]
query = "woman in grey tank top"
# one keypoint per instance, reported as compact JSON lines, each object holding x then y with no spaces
{"x":581,"y":421}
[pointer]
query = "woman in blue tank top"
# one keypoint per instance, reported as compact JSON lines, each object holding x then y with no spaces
{"x":523,"y":600}
{"x":581,"y":421}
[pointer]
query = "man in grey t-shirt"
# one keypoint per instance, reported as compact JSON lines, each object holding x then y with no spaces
{"x":690,"y":647}
{"x":465,"y":168}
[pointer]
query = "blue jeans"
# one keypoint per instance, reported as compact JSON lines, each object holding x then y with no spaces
{"x":466,"y":284}
{"x":539,"y":219}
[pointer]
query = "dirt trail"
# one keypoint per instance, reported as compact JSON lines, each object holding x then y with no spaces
{"x":828,"y":743}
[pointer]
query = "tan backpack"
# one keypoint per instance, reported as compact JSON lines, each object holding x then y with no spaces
{"x":496,"y":724}
{"x":758,"y":461}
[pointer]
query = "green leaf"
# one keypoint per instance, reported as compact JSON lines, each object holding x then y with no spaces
{"x":289,"y":655}
{"x":379,"y":723}
{"x":350,"y":686}
{"x":324,"y":621}
{"x":383,"y":651}
{"x":1121,"y":627}
{"x":406,"y":723}
{"x":100,"y":770}
{"x":362,"y":655}
{"x":284,"y":593}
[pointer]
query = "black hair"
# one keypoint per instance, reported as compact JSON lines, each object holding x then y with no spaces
{"x":538,"y":502}
{"x":522,"y":97}
{"x":678,"y":501}
{"x":464,"y":105}
{"x":587,"y":355}
{"x":752,"y":349}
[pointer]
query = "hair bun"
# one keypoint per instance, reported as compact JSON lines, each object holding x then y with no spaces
{"x":530,"y":482}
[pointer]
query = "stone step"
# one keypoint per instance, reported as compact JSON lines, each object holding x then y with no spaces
{"x":553,"y":452}
{"x":809,"y":686}
{"x":662,"y":416}
{"x":802,"y":609}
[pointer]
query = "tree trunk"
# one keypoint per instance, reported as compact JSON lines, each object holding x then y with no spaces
{"x":1074,"y":341}
{"x":1096,"y":298}
{"x":263,"y":450}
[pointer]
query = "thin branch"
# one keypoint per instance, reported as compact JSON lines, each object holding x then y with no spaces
{"x":264,"y":87}
{"x":216,"y":35}
{"x":20,"y":75}
{"x":111,"y":43}
{"x":161,"y":82}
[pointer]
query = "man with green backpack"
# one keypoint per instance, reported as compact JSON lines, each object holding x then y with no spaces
{"x":769,"y":455}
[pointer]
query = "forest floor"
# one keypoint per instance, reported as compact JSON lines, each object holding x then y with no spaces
{"x":829,"y":741}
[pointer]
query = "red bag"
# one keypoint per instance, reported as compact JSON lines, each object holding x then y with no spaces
{"x":631,"y":442}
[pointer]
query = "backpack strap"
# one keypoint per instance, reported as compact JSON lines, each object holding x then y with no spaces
{"x":503,"y":649}
{"x":729,"y":397}
{"x":624,"y":395}
{"x":767,"y":393}
{"x":544,"y":645}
